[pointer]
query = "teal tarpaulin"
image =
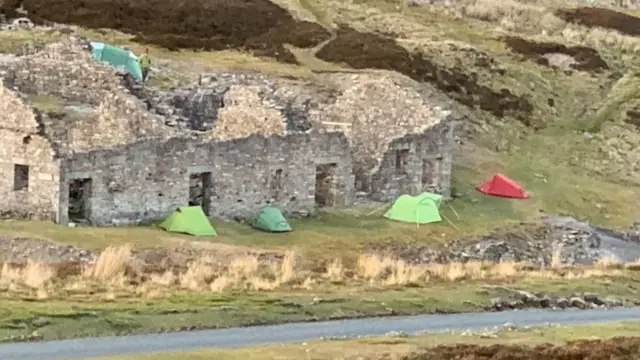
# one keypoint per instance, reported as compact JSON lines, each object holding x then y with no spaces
{"x":116,"y":56}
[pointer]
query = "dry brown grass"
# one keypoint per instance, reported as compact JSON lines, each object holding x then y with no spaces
{"x":114,"y":270}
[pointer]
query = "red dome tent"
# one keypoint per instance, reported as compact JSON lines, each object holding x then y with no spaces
{"x":500,"y":185}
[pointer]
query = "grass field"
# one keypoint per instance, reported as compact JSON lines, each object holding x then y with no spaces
{"x":112,"y":297}
{"x":565,"y":172}
{"x":379,"y":347}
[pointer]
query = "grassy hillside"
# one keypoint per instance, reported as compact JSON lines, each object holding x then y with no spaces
{"x":547,"y":93}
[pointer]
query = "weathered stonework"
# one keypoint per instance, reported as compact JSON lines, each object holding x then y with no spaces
{"x":150,"y":179}
{"x":30,"y":175}
{"x":112,"y":152}
{"x":413,"y":164}
{"x":95,"y":109}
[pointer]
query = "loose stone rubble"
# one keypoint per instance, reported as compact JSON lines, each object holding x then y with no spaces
{"x":538,"y":247}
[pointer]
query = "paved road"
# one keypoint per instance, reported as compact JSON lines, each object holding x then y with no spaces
{"x":90,"y":347}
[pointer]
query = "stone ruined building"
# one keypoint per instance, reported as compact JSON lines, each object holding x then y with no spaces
{"x":103,"y":152}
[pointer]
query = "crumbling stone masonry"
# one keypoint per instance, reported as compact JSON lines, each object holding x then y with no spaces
{"x":413,"y":164}
{"x":230,"y":179}
{"x":44,"y":177}
{"x":149,"y":179}
{"x":105,"y":156}
{"x":29,"y":174}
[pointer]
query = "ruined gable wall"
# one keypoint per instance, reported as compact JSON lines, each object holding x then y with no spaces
{"x":150,"y":179}
{"x":384,"y":112}
{"x":66,"y":71}
{"x":21,"y":144}
{"x":413,"y":164}
{"x":245,"y":113}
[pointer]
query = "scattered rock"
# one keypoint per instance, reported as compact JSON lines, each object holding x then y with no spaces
{"x":525,"y":299}
{"x":318,"y":300}
{"x":41,"y":321}
{"x":562,"y":303}
{"x":578,"y":303}
{"x":584,"y":58}
{"x":500,"y":304}
{"x":528,"y":298}
{"x":573,"y":243}
{"x":396,"y":334}
{"x":592,"y":298}
{"x":612,"y":302}
{"x":23,"y":338}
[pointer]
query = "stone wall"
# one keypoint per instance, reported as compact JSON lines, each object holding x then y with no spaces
{"x":95,"y":108}
{"x":28,"y":172}
{"x":413,"y":164}
{"x":149,"y":179}
{"x":382,"y":114}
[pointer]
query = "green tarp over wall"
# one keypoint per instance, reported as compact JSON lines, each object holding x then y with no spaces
{"x":189,"y":220}
{"x":421,"y":209}
{"x":117,"y":57}
{"x":270,"y":219}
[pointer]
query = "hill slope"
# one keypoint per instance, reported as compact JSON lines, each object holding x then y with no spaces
{"x":547,"y":94}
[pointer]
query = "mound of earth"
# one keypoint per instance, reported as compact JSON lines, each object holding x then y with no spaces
{"x":259,"y":26}
{"x":621,"y":348}
{"x":606,"y":18}
{"x":373,"y":51}
{"x":583,"y":58}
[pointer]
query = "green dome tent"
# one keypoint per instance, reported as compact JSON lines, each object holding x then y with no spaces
{"x":270,"y":219}
{"x":189,"y":220}
{"x":421,"y":209}
{"x":117,"y":57}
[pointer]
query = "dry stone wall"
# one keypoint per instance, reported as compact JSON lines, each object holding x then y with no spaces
{"x":30,"y":175}
{"x":150,"y":179}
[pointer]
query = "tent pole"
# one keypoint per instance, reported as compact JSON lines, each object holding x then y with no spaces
{"x":454,"y":211}
{"x":450,"y":222}
{"x":378,"y":209}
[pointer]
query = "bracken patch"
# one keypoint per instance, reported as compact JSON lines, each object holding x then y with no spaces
{"x":259,"y":26}
{"x":587,"y":59}
{"x":372,"y":51}
{"x":621,"y":348}
{"x":606,"y":18}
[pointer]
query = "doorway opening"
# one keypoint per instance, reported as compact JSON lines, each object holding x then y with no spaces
{"x":430,"y":173}
{"x":200,"y":191}
{"x":325,"y":184}
{"x":80,"y":200}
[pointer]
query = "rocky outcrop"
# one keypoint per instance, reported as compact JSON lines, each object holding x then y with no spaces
{"x":567,"y":242}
